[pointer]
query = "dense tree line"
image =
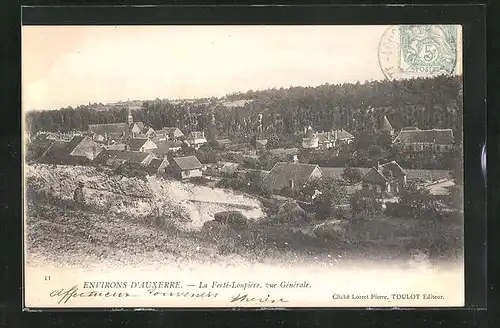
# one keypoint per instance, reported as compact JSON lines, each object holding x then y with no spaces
{"x":426,"y":103}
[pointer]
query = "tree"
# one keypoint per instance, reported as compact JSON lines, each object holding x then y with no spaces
{"x":384,"y":140}
{"x":418,"y":202}
{"x":331,"y":196}
{"x":361,"y":203}
{"x":352,"y":174}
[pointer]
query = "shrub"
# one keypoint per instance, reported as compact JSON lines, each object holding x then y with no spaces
{"x":332,"y":195}
{"x":364,"y":203}
{"x":131,"y":171}
{"x":418,"y":202}
{"x":201,"y":181}
{"x":233,"y":219}
{"x":352,"y":174}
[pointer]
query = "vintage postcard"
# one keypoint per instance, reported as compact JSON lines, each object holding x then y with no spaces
{"x":242,"y":166}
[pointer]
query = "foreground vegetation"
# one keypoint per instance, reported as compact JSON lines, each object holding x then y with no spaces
{"x":60,"y":230}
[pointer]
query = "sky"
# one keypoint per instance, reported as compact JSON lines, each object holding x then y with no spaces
{"x":72,"y":65}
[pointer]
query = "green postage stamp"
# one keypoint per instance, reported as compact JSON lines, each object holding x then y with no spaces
{"x":428,"y":49}
{"x":413,"y":51}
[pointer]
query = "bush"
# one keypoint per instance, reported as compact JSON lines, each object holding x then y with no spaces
{"x":233,"y":219}
{"x":332,"y":195}
{"x":131,"y":171}
{"x":364,"y":203}
{"x":201,"y":181}
{"x":418,"y":203}
{"x":352,"y":175}
{"x":331,"y":230}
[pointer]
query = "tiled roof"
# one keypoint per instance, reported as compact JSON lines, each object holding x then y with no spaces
{"x":394,"y":167}
{"x":170,"y":130}
{"x":382,"y":175}
{"x":285,"y":151}
{"x":165,"y":146}
{"x":140,"y":125}
{"x":438,"y":136}
{"x":156,"y":162}
{"x":229,"y":168}
{"x":58,"y":150}
{"x":135,"y":157}
{"x":343,"y":134}
{"x":374,"y":177}
{"x":136,"y":143}
{"x":187,"y":163}
{"x":109,"y":128}
{"x":75,"y":141}
{"x":385,"y":125}
{"x":41,"y":142}
{"x":325,"y":136}
{"x":281,"y":174}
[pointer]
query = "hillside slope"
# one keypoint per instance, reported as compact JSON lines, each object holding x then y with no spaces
{"x":136,"y":197}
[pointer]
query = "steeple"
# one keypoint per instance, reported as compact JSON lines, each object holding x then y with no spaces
{"x":130,"y":118}
{"x":385,"y":125}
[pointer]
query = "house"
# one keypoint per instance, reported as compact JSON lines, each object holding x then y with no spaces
{"x":115,"y":158}
{"x":169,"y":133}
{"x":165,"y":147}
{"x":310,"y":139}
{"x":291,"y":175}
{"x":385,"y":126}
{"x":417,"y":141}
{"x":196,"y":139}
{"x":117,"y":132}
{"x":141,"y":144}
{"x":137,"y":128}
{"x":81,"y":146}
{"x":342,"y":136}
{"x":326,"y":140}
{"x":186,"y":167}
{"x":57,"y":153}
{"x":79,"y":151}
{"x":150,"y":133}
{"x":387,"y":178}
{"x":157,"y":165}
{"x":108,"y":133}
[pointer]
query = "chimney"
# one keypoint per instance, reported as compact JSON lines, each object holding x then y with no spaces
{"x":378,"y":166}
{"x":290,"y":183}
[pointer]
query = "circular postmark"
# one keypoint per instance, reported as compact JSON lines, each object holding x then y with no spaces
{"x":418,"y":51}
